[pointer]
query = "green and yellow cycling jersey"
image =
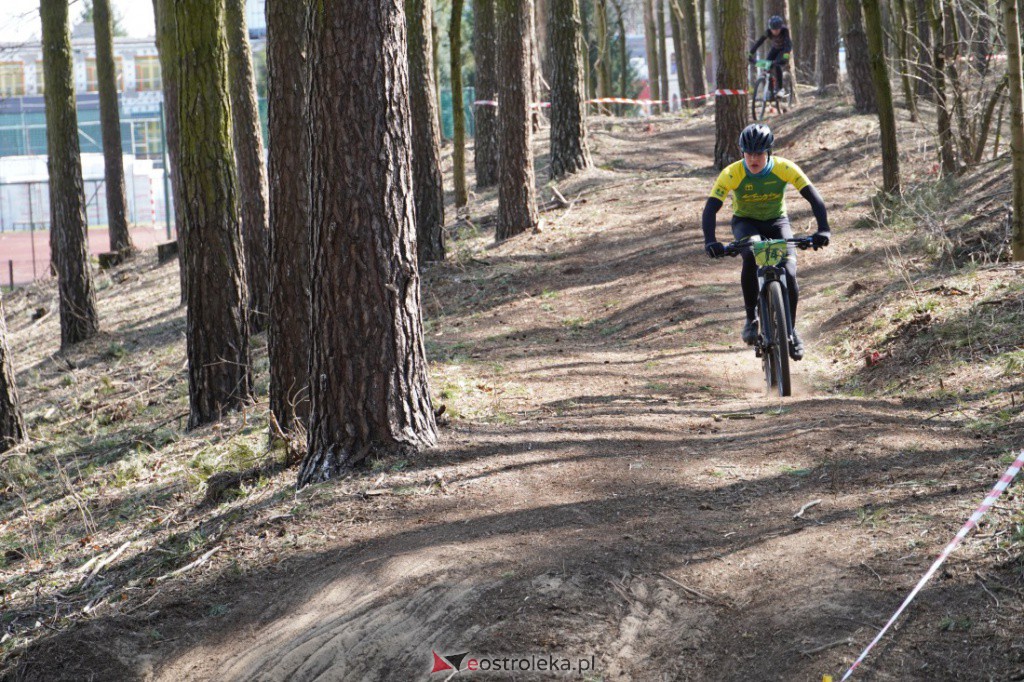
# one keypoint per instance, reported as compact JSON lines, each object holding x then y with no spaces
{"x":763,"y":196}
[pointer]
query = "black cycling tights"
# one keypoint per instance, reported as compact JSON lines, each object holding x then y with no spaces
{"x":766,"y":229}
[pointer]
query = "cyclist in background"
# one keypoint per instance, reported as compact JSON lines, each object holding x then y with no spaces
{"x":781,"y":47}
{"x":758,"y":186}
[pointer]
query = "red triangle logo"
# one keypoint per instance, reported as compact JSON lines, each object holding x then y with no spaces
{"x":439,"y":664}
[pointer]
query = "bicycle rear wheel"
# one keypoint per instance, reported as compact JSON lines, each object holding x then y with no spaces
{"x":779,"y":338}
{"x":790,"y":98}
{"x":758,"y":100}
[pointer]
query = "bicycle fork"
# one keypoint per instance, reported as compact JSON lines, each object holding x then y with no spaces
{"x":766,"y":274}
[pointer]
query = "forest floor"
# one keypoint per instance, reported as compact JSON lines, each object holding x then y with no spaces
{"x":613,"y":485}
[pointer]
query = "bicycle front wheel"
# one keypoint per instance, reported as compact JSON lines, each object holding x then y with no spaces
{"x":779,"y":338}
{"x":759,"y":99}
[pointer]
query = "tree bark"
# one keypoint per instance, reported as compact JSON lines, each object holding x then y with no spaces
{"x":1011,"y":22}
{"x":601,"y":65}
{"x":651,"y":43}
{"x":947,"y":157}
{"x":923,"y":48}
{"x":517,"y":203}
{"x":368,"y":367}
{"x":217,"y":337}
{"x":663,"y":71}
{"x":428,"y":188}
{"x":12,"y":426}
{"x":809,"y":38}
{"x":163,"y":12}
{"x":289,"y":176}
{"x":485,"y":159}
{"x":677,"y":48}
{"x":883,"y":90}
{"x":827,"y":68}
{"x":458,"y":106}
{"x":730,"y":111}
{"x":903,"y":46}
{"x":110,"y":125}
{"x":247,"y":134}
{"x":691,"y":43}
{"x":623,"y":54}
{"x":569,"y":149}
{"x":68,"y":254}
{"x":858,"y":69}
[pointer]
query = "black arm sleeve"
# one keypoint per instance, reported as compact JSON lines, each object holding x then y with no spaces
{"x":758,"y":43}
{"x":817,"y":205}
{"x":707,"y":221}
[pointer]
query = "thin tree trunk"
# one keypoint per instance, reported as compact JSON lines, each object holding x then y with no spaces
{"x":986,"y":121}
{"x":730,"y":111}
{"x":809,"y":51}
{"x":923,"y":41}
{"x":827,"y":68}
{"x":288,"y":121}
{"x":956,"y":49}
{"x":677,"y":47}
{"x":947,"y":156}
{"x":247,"y":134}
{"x":663,"y":71}
{"x":485,"y":40}
{"x":623,"y":55}
{"x":653,"y":59}
{"x":517,"y":203}
{"x":427,"y":182}
{"x":369,"y":392}
{"x":217,"y":337}
{"x":542,"y":22}
{"x":858,"y":70}
{"x":458,"y":106}
{"x":12,"y":426}
{"x":78,"y":317}
{"x":163,"y":13}
{"x":601,"y":66}
{"x":883,"y":90}
{"x":1011,"y":21}
{"x":903,"y":46}
{"x":110,"y":119}
{"x":569,"y":150}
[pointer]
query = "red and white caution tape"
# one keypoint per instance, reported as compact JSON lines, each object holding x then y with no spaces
{"x":623,"y":100}
{"x":987,"y":504}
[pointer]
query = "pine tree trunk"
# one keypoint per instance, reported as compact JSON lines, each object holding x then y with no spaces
{"x":289,"y":178}
{"x":217,"y":337}
{"x":78,"y":317}
{"x":485,"y":40}
{"x":752,"y":34}
{"x":517,"y":203}
{"x":730,"y":111}
{"x":677,"y":48}
{"x":883,"y":90}
{"x":1011,"y":21}
{"x":569,"y":150}
{"x":651,"y":41}
{"x":247,"y":134}
{"x":663,"y":72}
{"x":691,"y":43}
{"x":368,"y":367}
{"x":923,"y":48}
{"x":110,"y":124}
{"x":12,"y":426}
{"x":623,"y":55}
{"x":827,"y":68}
{"x":944,"y":123}
{"x":458,"y":106}
{"x":809,"y":51}
{"x":858,"y":70}
{"x":542,"y":22}
{"x":426,"y":135}
{"x":903,"y":37}
{"x":604,"y":86}
{"x":163,"y":13}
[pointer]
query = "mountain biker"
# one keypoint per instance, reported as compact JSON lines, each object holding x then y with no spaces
{"x":782,"y":46}
{"x":758,"y":185}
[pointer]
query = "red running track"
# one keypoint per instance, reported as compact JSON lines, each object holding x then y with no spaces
{"x":16,"y":249}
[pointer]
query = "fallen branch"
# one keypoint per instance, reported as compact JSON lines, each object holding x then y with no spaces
{"x":104,"y":563}
{"x":692,"y":591}
{"x":184,"y":569}
{"x":812,"y":503}
{"x":838,"y":642}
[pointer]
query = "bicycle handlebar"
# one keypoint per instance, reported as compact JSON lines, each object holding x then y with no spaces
{"x":734,"y":249}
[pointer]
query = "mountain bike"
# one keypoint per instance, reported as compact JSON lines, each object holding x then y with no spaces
{"x":774,"y":318}
{"x":766,"y":90}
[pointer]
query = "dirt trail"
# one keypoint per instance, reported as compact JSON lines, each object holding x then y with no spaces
{"x":606,"y":509}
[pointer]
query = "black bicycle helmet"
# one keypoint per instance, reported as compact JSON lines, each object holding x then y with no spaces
{"x":757,"y":138}
{"x":776,"y":22}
